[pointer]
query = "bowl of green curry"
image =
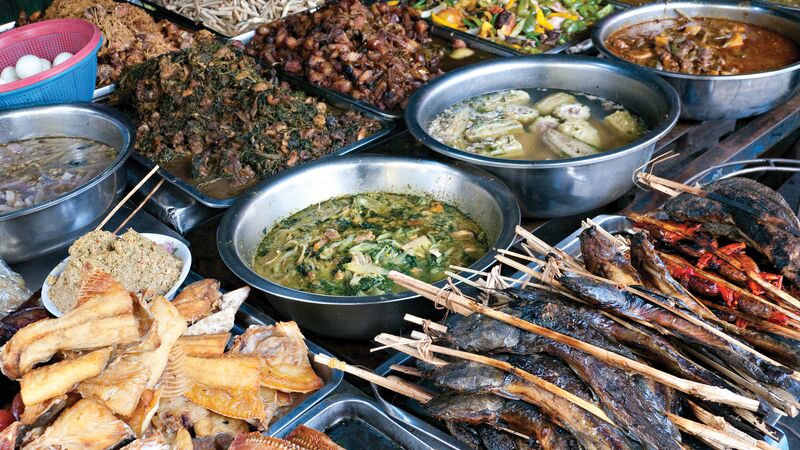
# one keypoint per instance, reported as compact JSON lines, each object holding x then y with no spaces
{"x":319,"y":240}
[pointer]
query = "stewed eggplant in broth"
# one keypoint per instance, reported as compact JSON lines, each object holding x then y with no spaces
{"x":704,"y":46}
{"x":536,"y":124}
{"x":347,"y":245}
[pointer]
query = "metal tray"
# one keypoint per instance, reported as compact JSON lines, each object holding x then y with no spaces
{"x":323,"y":94}
{"x":248,"y":315}
{"x":413,"y":435}
{"x":484,"y":50}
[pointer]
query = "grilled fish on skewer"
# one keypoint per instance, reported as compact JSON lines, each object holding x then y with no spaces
{"x":521,"y":417}
{"x":624,"y":396}
{"x":774,"y":231}
{"x":608,"y":296}
{"x":656,"y":276}
{"x":603,"y":259}
{"x":634,"y":336}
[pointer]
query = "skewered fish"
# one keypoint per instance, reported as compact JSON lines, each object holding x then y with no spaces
{"x":624,"y":396}
{"x":608,"y":296}
{"x":657,"y":276}
{"x":773,"y":230}
{"x":470,"y":377}
{"x":602,"y":258}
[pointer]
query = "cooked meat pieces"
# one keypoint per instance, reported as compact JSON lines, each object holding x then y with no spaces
{"x":379,"y":53}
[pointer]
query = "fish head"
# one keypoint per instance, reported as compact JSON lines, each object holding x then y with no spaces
{"x":478,"y":333}
{"x":468,"y":408}
{"x":470,"y":377}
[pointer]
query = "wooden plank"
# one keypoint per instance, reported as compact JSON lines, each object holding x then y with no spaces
{"x":748,"y":142}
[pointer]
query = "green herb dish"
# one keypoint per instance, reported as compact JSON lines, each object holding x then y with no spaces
{"x":346,"y":246}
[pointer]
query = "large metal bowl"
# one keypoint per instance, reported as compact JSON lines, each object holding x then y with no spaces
{"x":564,"y":187}
{"x":710,"y":97}
{"x":31,"y":232}
{"x":475,"y":192}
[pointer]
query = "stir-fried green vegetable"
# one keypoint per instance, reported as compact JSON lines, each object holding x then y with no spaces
{"x":347,"y":245}
{"x":528,"y":26}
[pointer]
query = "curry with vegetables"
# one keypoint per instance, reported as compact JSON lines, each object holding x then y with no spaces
{"x":537,"y":124}
{"x":527,"y":26}
{"x":347,"y":245}
{"x":705,"y":46}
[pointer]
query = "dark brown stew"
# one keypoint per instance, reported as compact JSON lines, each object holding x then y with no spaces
{"x":704,"y":46}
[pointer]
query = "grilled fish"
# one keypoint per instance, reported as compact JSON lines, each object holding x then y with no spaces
{"x":609,"y":296}
{"x":602,"y":258}
{"x":656,"y":276}
{"x":86,"y":425}
{"x":774,"y":230}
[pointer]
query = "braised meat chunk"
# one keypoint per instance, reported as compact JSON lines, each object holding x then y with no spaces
{"x":379,"y":53}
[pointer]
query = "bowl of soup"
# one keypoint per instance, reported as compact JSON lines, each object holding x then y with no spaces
{"x":725,"y":60}
{"x":320,"y":239}
{"x":565,"y":133}
{"x":60,"y":173}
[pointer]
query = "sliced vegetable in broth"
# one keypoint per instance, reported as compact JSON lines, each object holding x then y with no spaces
{"x":536,"y":124}
{"x":347,"y":245}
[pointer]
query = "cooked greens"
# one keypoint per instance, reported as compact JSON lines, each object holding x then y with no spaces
{"x":537,"y":125}
{"x":347,"y":245}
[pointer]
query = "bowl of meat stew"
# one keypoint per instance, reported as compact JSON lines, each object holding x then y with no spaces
{"x":725,"y":60}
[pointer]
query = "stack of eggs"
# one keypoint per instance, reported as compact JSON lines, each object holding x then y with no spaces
{"x":30,"y":65}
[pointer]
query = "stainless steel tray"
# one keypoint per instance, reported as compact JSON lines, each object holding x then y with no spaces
{"x":248,"y":315}
{"x":415,"y":435}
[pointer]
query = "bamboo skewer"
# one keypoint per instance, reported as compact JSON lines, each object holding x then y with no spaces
{"x":723,"y":426}
{"x":141,"y":204}
{"x":404,"y":344}
{"x":425,"y":323}
{"x":700,"y":390}
{"x":127,"y":197}
{"x":713,"y":436}
{"x":413,"y":371}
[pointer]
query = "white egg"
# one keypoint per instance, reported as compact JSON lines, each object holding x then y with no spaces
{"x":28,"y":66}
{"x":61,"y":58}
{"x":9,"y":74}
{"x":45,"y":64}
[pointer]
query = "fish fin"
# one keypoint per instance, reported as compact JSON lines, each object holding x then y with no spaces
{"x":96,"y":282}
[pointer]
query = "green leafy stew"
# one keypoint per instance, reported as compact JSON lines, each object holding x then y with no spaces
{"x":347,"y":245}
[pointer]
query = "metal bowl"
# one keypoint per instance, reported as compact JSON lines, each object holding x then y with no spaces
{"x":564,"y":187}
{"x":711,"y":97}
{"x":475,"y":192}
{"x":29,"y":233}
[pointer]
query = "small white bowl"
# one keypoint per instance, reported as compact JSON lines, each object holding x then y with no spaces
{"x":179,"y":250}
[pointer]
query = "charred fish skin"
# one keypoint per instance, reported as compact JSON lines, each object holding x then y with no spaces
{"x":472,"y":409}
{"x":609,"y":296}
{"x":494,"y":439}
{"x":652,"y":345}
{"x":555,"y":371}
{"x":591,"y":432}
{"x":478,"y":333}
{"x":465,"y":434}
{"x":625,"y":397}
{"x":602,"y":258}
{"x":531,"y":421}
{"x":656,"y":276}
{"x":775,"y":233}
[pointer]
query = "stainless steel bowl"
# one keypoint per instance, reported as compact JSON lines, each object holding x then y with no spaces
{"x":710,"y":97}
{"x":560,"y":187}
{"x":31,"y":232}
{"x":475,"y":192}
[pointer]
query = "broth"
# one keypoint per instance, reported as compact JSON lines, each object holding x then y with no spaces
{"x":536,"y":124}
{"x":347,"y":245}
{"x":33,"y":171}
{"x":704,"y":46}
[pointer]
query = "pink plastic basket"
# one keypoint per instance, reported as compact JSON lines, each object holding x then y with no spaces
{"x":70,"y":81}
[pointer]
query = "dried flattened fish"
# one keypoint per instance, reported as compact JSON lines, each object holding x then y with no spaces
{"x":57,"y":379}
{"x":221,"y":321}
{"x":86,"y":425}
{"x":198,"y":300}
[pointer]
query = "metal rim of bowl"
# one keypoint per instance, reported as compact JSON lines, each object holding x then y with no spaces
{"x":506,"y":200}
{"x":654,"y":134}
{"x":607,"y":22}
{"x":123,"y":124}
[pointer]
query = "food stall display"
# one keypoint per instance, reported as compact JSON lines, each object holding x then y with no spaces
{"x":387,"y":178}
